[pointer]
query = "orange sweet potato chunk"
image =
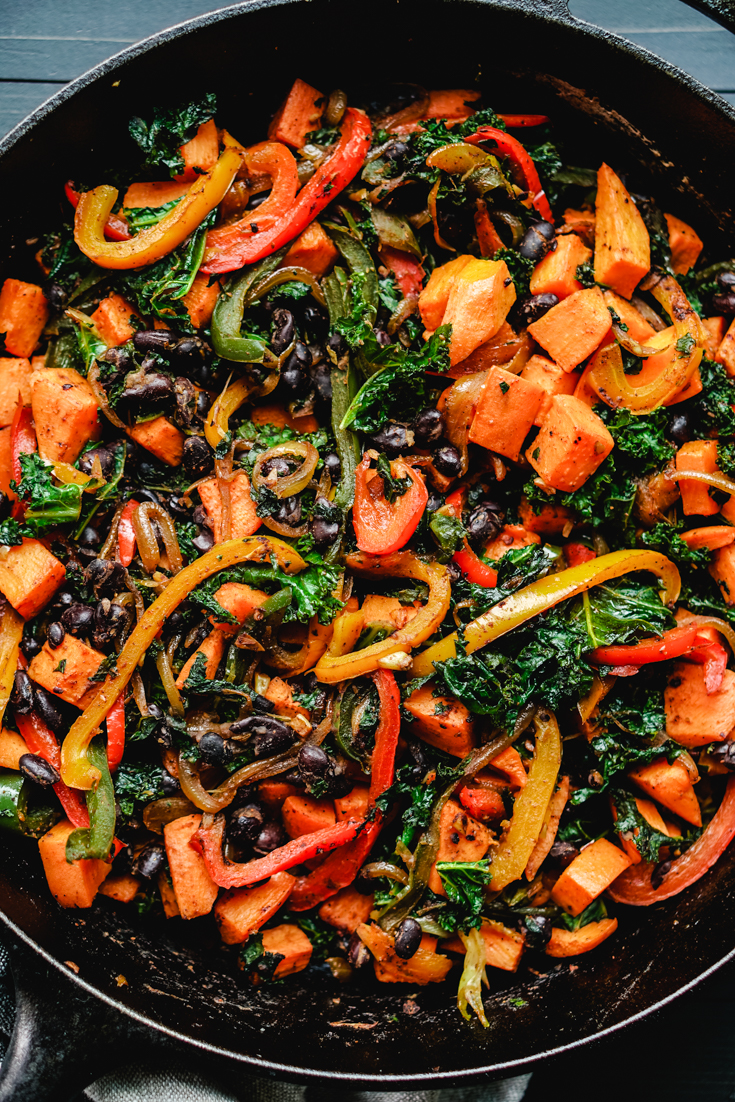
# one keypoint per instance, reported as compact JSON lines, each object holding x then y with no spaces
{"x":572,"y":330}
{"x":425,"y":966}
{"x":121,"y":888}
{"x":697,"y":455}
{"x":505,"y":412}
{"x":546,"y":520}
{"x":241,"y":911}
{"x":556,"y":274}
{"x":714,"y":334}
{"x":622,"y":244}
{"x":12,"y":748}
{"x":200,"y":153}
{"x":671,"y":786}
{"x":314,"y":250}
{"x":461,"y":838}
{"x":245,"y":522}
{"x":29,"y":577}
{"x":298,"y":115}
{"x":572,"y":443}
{"x":15,"y":386}
{"x":352,"y":806}
{"x":112,"y":319}
{"x":306,"y":814}
{"x":72,"y":885}
{"x":195,"y":890}
{"x":722,"y":569}
{"x":441,"y":721}
{"x":685,"y":244}
{"x":347,"y":909}
{"x":570,"y":943}
{"x":66,"y":671}
{"x":200,"y":300}
{"x":6,"y":463}
{"x":272,"y":413}
{"x":65,"y":413}
{"x":479,"y":300}
{"x":240,"y":600}
{"x":168,"y":896}
{"x":695,"y":717}
{"x":213,"y":647}
{"x":154,"y":194}
{"x":435,"y":295}
{"x":590,"y":873}
{"x":552,"y":379}
{"x":161,"y":438}
{"x":23,"y":314}
{"x":292,"y":944}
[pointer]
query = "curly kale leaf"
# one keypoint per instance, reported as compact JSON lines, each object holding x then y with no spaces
{"x":137,"y":783}
{"x":162,"y":138}
{"x":631,"y":824}
{"x":47,"y":505}
{"x":712,"y":408}
{"x":159,"y":288}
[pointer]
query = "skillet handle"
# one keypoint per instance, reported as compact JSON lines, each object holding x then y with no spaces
{"x":63,"y":1039}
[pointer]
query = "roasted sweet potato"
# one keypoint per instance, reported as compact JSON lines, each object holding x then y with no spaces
{"x":314,"y":250}
{"x":66,"y":670}
{"x":298,"y":115}
{"x":292,"y":944}
{"x":570,"y":943}
{"x":200,"y":300}
{"x":695,"y":717}
{"x":161,"y":438}
{"x":65,"y":413}
{"x":622,"y":244}
{"x":168,"y":896}
{"x":244,"y":519}
{"x":572,"y":443}
{"x":556,"y":274}
{"x":72,"y":885}
{"x":685,"y":244}
{"x":669,"y":785}
{"x":347,"y":909}
{"x":23,"y":314}
{"x":725,"y":354}
{"x":572,"y":330}
{"x":462,"y":838}
{"x":590,"y":873}
{"x":722,"y":569}
{"x":435,"y":295}
{"x":546,"y":520}
{"x":280,"y":694}
{"x":441,"y":721}
{"x":481,"y":295}
{"x":194,"y":888}
{"x":12,"y":747}
{"x":425,"y":966}
{"x":354,"y":805}
{"x":510,"y":538}
{"x":112,"y":319}
{"x":213,"y":647}
{"x":241,"y":911}
{"x":552,"y":380}
{"x":305,"y":815}
{"x":505,"y":412}
{"x":15,"y":386}
{"x":200,"y":153}
{"x":29,"y":577}
{"x":271,"y":413}
{"x":503,"y":946}
{"x":238,"y":599}
{"x":697,"y":455}
{"x":122,"y":888}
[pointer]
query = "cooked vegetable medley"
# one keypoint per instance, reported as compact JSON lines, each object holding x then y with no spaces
{"x":367,"y":541}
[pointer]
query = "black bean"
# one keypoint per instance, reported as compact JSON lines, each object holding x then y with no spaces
{"x":261,"y":703}
{"x":89,"y":537}
{"x":681,"y":427}
{"x":434,"y":501}
{"x":364,"y":884}
{"x":536,"y":240}
{"x":157,"y":390}
{"x":245,"y":823}
{"x":315,"y":318}
{"x":722,"y":752}
{"x":332,"y":466}
{"x":122,"y":360}
{"x":204,"y":404}
{"x":428,"y":426}
{"x":407,"y":939}
{"x":78,"y":619}
{"x":105,"y":575}
{"x":4,"y":505}
{"x":321,"y":377}
{"x":21,"y":697}
{"x":55,"y":634}
{"x":178,"y":508}
{"x":37,"y":769}
{"x":295,"y":371}
{"x":278,"y":463}
{"x":314,"y":763}
{"x":169,"y":784}
{"x":110,"y":620}
{"x":563,"y":853}
{"x":381,"y":337}
{"x":537,"y":929}
{"x":255,"y":200}
{"x":726,"y":280}
{"x":530,"y":308}
{"x":47,"y":707}
{"x":154,"y":340}
{"x":150,"y":861}
{"x":106,"y":459}
{"x":189,"y":354}
{"x":391,"y":439}
{"x":64,"y":598}
{"x":394,"y":150}
{"x":198,"y":459}
{"x":56,"y":296}
{"x":324,"y":531}
{"x":448,"y":461}
{"x":282,"y":332}
{"x":143,"y":494}
{"x":268,"y":735}
{"x":724,"y":303}
{"x":485,"y":521}
{"x":271,"y":837}
{"x":204,"y":541}
{"x":294,"y":777}
{"x":30,"y":646}
{"x":289,"y":511}
{"x":213,"y":749}
{"x":337,"y":344}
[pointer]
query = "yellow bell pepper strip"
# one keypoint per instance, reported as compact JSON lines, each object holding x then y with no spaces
{"x":543,"y":595}
{"x":152,"y":243}
{"x":11,"y":632}
{"x":76,"y":770}
{"x":333,"y":667}
{"x":511,"y":857}
{"x":607,"y":375}
{"x":232,"y":397}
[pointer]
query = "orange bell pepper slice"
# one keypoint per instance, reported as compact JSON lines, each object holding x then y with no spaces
{"x":383,"y":526}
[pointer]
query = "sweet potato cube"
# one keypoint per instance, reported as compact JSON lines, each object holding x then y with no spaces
{"x":72,"y":885}
{"x":113,"y":320}
{"x":23,"y":314}
{"x":622,"y":244}
{"x":238,"y":599}
{"x":6,"y":463}
{"x":168,"y":896}
{"x":272,"y":793}
{"x":572,"y":443}
{"x":725,"y":354}
{"x":66,"y":671}
{"x":280,"y":694}
{"x":121,"y":888}
{"x":510,"y":538}
{"x":590,"y":873}
{"x":306,"y":814}
{"x":425,"y":966}
{"x":65,"y":413}
{"x":314,"y":250}
{"x":570,"y":943}
{"x":15,"y":386}
{"x":241,"y":911}
{"x":546,"y":520}
{"x":244,"y":519}
{"x":510,"y":763}
{"x":194,"y":888}
{"x":711,"y":538}
{"x":292,"y":944}
{"x":200,"y":153}
{"x":505,"y":412}
{"x":347,"y":909}
{"x":461,"y":838}
{"x":435,"y":295}
{"x":695,"y":717}
{"x":685,"y":244}
{"x":479,"y":300}
{"x":201,"y":299}
{"x":722,"y":569}
{"x":273,"y":413}
{"x":12,"y":748}
{"x":298,"y":115}
{"x":556,"y":274}
{"x":551,"y":378}
{"x":213,"y":647}
{"x":483,"y":804}
{"x":441,"y":721}
{"x":503,"y":946}
{"x":161,"y":438}
{"x":714,"y":334}
{"x":352,"y":806}
{"x":573,"y":329}
{"x":671,"y":786}
{"x":452,"y":104}
{"x":638,"y":328}
{"x":29,"y":577}
{"x":154,"y":193}
{"x":697,"y":455}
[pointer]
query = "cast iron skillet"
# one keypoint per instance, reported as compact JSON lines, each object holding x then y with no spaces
{"x":610,"y":100}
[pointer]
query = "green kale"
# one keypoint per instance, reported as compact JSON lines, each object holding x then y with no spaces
{"x":137,"y":783}
{"x":641,"y":438}
{"x":684,"y":345}
{"x":595,"y":912}
{"x":465,"y":882}
{"x":323,"y":937}
{"x":547,"y":161}
{"x":67,"y":264}
{"x":389,"y":293}
{"x":619,"y":610}
{"x":665,"y":538}
{"x":311,"y":590}
{"x":520,"y":268}
{"x":585,"y":273}
{"x":47,"y":505}
{"x":433,"y":135}
{"x":631,"y":824}
{"x":162,"y":138}
{"x":712,"y":408}
{"x":159,"y":288}
{"x":12,"y":532}
{"x":139,"y":218}
{"x":726,"y":458}
{"x":252,"y":950}
{"x":199,"y":684}
{"x":393,"y":488}
{"x":449,"y":534}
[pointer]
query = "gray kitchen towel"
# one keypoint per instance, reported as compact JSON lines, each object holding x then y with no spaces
{"x":142,"y":1084}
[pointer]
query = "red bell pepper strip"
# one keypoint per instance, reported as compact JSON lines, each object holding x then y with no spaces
{"x":383,"y":526}
{"x":577,"y":553}
{"x":340,"y":868}
{"x":510,"y":147}
{"x":407,"y":270}
{"x":41,"y":740}
{"x":634,"y":885}
{"x":22,"y":442}
{"x":116,"y":227}
{"x":116,"y":732}
{"x":240,"y":874}
{"x":126,"y":534}
{"x":474,"y":569}
{"x":713,"y":657}
{"x":672,"y":644}
{"x":516,"y":121}
{"x":241,"y":246}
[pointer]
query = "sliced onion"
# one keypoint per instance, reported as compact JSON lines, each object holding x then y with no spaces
{"x":93,"y":378}
{"x":459,"y":410}
{"x":286,"y":275}
{"x":110,"y":544}
{"x":157,"y":814}
{"x":284,"y":530}
{"x":402,"y":311}
{"x":431,"y":203}
{"x":232,"y":397}
{"x":410,"y":113}
{"x":136,"y":684}
{"x":165,"y":672}
{"x":635,"y":347}
{"x":377,"y":869}
{"x":224,"y":795}
{"x":298,"y":480}
{"x":649,"y":314}
{"x":719,"y":481}
{"x":147,"y":539}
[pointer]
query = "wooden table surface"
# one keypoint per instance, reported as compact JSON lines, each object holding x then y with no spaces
{"x":687,"y":1053}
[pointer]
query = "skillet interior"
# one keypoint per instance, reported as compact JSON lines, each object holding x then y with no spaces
{"x":529,"y":57}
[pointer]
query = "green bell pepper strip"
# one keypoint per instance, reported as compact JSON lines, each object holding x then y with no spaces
{"x":360,"y":263}
{"x":16,"y":816}
{"x":97,"y":840}
{"x":344,"y":389}
{"x":227,"y":316}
